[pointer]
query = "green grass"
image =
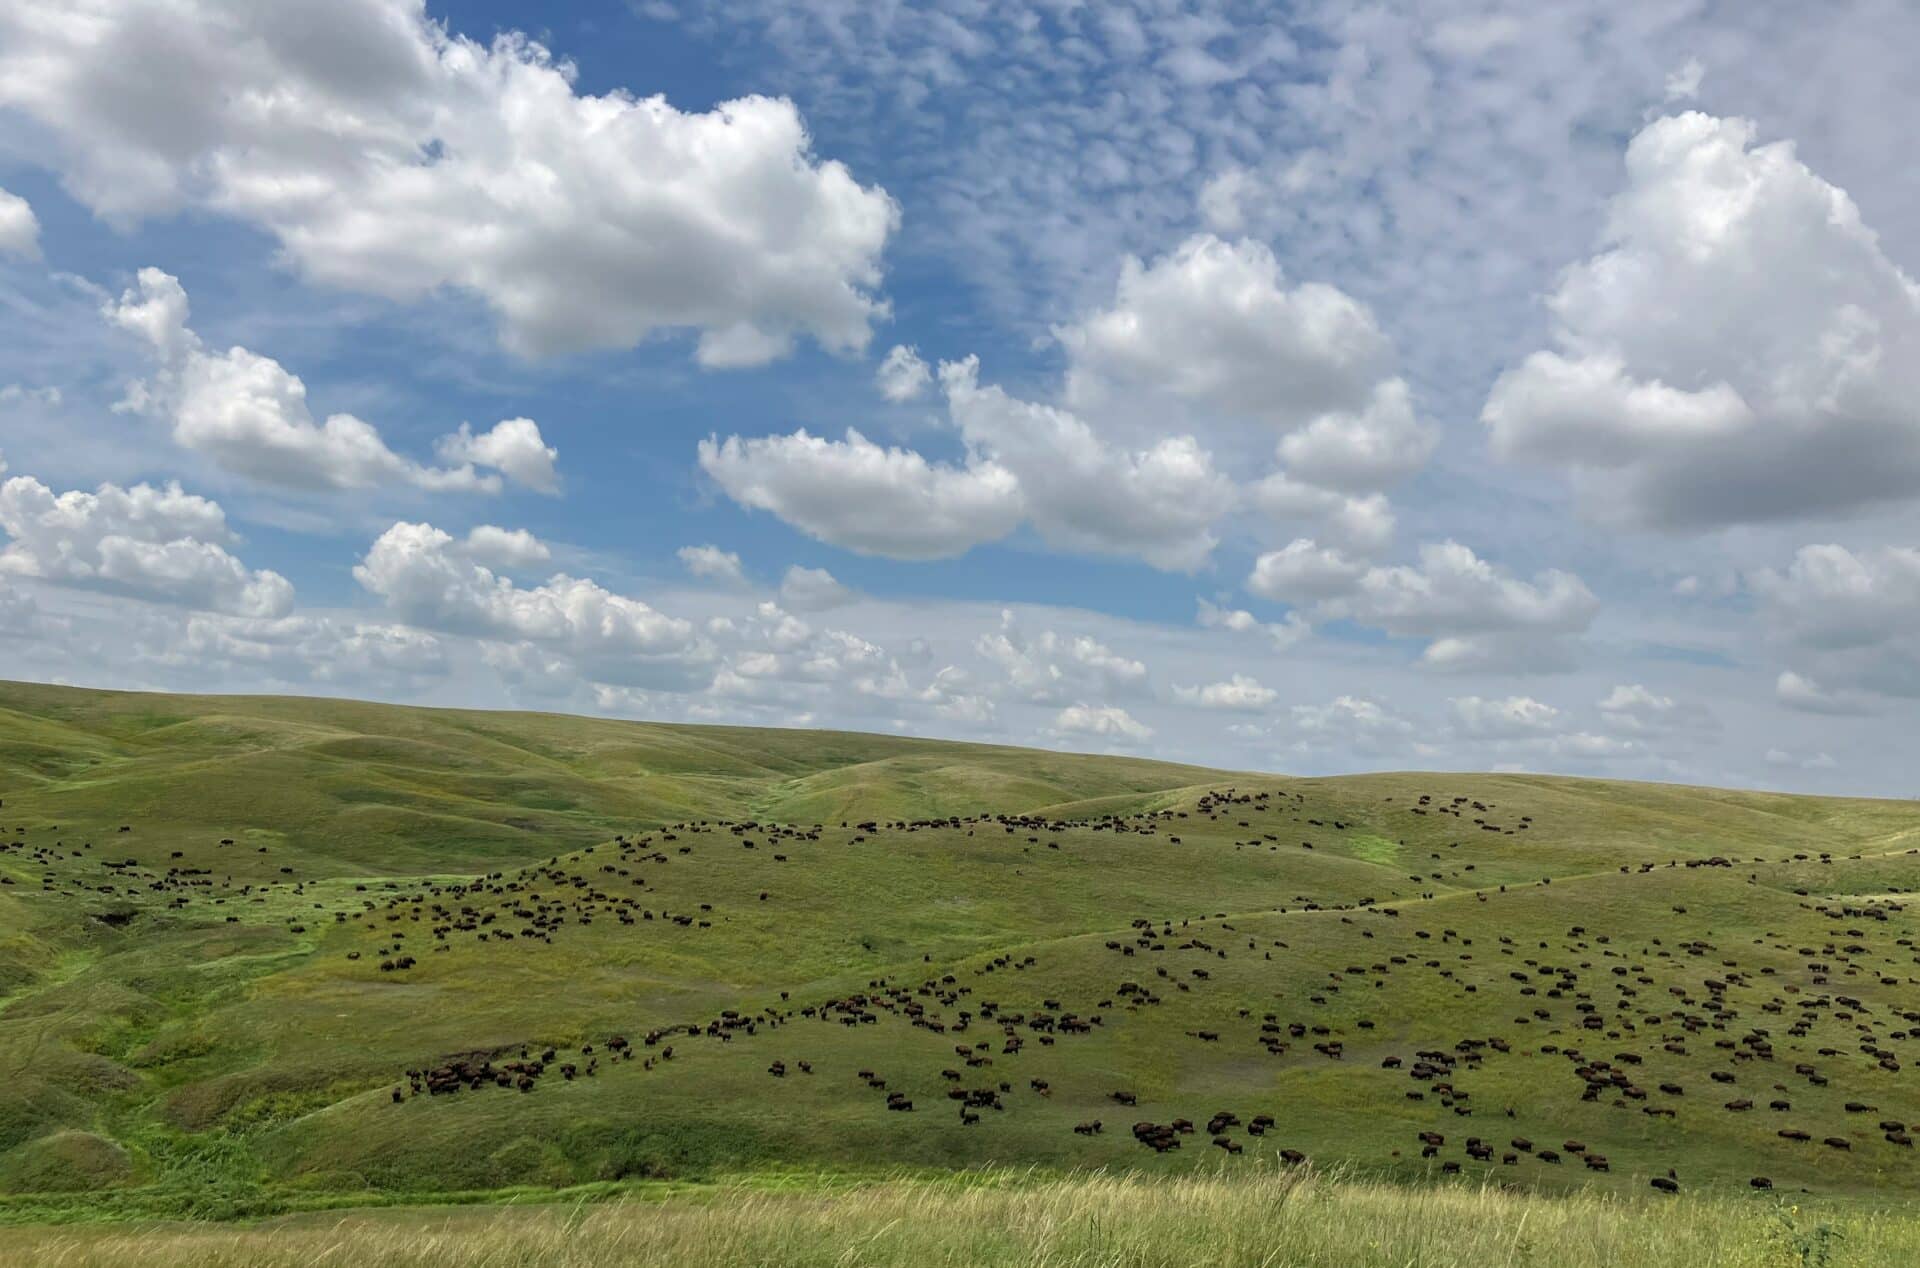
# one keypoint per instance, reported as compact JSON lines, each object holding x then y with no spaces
{"x":1256,"y":1219}
{"x":197,"y":1029}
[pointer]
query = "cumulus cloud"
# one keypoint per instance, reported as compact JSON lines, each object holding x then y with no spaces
{"x":1210,"y":331}
{"x":389,"y":155}
{"x":249,"y":414}
{"x":1084,"y":494}
{"x":1454,"y":591}
{"x":1739,"y":349}
{"x":1588,"y":747}
{"x":303,"y":650}
{"x":902,"y":376}
{"x":19,"y":227}
{"x":1633,"y":708}
{"x":1107,"y":722}
{"x":812,"y":590}
{"x":512,"y":446}
{"x":856,"y":494}
{"x":713,"y":564}
{"x":1239,"y":693}
{"x":1353,"y":451}
{"x":1803,"y":695}
{"x":1848,"y":620}
{"x":1830,"y":596}
{"x":1353,"y":722}
{"x":1304,"y":572}
{"x":1214,"y":322}
{"x":1683,"y":82}
{"x":1504,"y":718}
{"x":1051,"y":666}
{"x":20,"y":616}
{"x":505,"y":548}
{"x":533,"y":672}
{"x":776,"y":665}
{"x":425,"y":578}
{"x":161,"y":544}
{"x":1360,"y":524}
{"x":1801,"y":761}
{"x":1024,"y":461}
{"x":1475,"y":614}
{"x":1283,"y":634}
{"x":1213,"y":327}
{"x":951,"y":697}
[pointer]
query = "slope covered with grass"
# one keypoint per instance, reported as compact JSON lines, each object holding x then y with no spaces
{"x":259,"y":954}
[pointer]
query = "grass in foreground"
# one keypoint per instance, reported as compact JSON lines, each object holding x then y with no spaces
{"x":1270,"y":1218}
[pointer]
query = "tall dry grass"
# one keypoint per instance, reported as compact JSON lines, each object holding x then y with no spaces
{"x":1269,"y":1219}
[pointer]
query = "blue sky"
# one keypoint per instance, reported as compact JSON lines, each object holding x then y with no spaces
{"x":1318,"y":388}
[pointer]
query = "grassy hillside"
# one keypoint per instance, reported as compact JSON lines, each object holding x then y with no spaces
{"x":263,"y":954}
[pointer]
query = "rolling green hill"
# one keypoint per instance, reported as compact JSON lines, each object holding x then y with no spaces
{"x":260,"y":954}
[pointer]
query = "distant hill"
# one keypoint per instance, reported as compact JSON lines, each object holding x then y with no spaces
{"x":259,"y":953}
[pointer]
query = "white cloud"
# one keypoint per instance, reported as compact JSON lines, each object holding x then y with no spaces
{"x":1831,"y":597}
{"x":1108,"y":722}
{"x":1083,"y":494}
{"x":1353,"y":451}
{"x":1475,"y":615}
{"x":427,"y":580}
{"x":249,"y":414}
{"x":504,"y":548}
{"x":1353,"y":722}
{"x":1813,"y":761}
{"x":17,"y":393}
{"x":1212,"y":326}
{"x":20,"y":616}
{"x":302,"y":650}
{"x":876,"y":501}
{"x":1740,"y":349}
{"x":1053,"y":666}
{"x":1220,"y":200}
{"x":1849,"y":621}
{"x":1453,"y":591}
{"x":19,"y":227}
{"x":1024,"y":460}
{"x":1804,"y":695}
{"x":512,"y":446}
{"x":1304,"y":572}
{"x":950,"y":697}
{"x":1284,"y":634}
{"x":713,"y":563}
{"x":532,"y":671}
{"x":776,"y":665}
{"x":812,"y":589}
{"x":1632,"y":707}
{"x":1513,"y":716}
{"x":1683,"y":83}
{"x":902,"y":376}
{"x":1363,"y":525}
{"x":1585,"y":746}
{"x":1208,"y":330}
{"x":1214,"y":322}
{"x":161,"y":544}
{"x":389,"y":155}
{"x":1239,"y":693}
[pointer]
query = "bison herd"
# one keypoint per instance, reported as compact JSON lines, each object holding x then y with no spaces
{"x":1630,"y":1019}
